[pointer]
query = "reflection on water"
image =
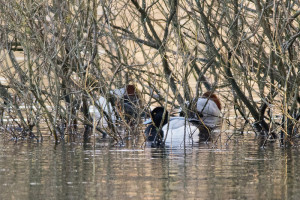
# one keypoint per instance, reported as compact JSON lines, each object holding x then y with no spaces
{"x":241,"y":170}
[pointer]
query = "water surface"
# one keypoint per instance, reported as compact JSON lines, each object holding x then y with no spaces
{"x":239,"y":170}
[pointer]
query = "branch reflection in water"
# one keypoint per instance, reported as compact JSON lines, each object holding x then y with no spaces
{"x":104,"y":171}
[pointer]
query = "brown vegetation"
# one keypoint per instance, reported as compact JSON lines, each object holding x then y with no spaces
{"x":76,"y":50}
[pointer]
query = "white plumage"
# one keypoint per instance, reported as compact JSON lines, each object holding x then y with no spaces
{"x":210,"y":111}
{"x":177,"y":129}
{"x":98,"y":115}
{"x":119,"y":93}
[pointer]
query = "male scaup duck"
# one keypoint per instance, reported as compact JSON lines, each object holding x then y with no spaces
{"x":177,"y":127}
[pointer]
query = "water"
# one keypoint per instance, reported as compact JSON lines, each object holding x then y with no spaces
{"x":239,"y":170}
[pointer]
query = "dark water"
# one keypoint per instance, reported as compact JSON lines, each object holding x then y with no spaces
{"x":239,"y":170}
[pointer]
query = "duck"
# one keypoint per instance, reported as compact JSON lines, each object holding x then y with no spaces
{"x":126,"y":102}
{"x":207,"y":109}
{"x":101,"y":115}
{"x":129,"y":105}
{"x":178,"y":127}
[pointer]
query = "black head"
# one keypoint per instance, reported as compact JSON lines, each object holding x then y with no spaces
{"x":158,"y":117}
{"x":151,"y":132}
